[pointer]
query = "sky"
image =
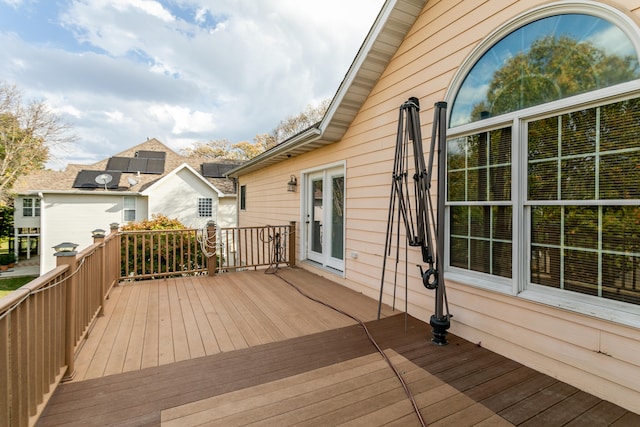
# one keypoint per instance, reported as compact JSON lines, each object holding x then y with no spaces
{"x":181,"y":71}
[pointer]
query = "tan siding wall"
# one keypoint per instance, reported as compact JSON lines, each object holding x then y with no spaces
{"x":597,"y":356}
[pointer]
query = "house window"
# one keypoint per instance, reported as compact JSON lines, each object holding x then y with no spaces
{"x":243,"y":197}
{"x":129,"y":209}
{"x":205,"y":207}
{"x":543,"y":184}
{"x":31,"y":207}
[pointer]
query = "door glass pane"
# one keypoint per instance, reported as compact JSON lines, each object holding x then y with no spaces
{"x":337,"y":217}
{"x":316,"y":216}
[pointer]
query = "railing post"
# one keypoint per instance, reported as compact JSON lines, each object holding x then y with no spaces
{"x":210,"y":244}
{"x":69,"y":257}
{"x":292,"y":243}
{"x":98,"y":237}
{"x":114,"y":228}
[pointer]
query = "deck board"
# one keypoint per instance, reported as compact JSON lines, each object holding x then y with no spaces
{"x":458,"y":384}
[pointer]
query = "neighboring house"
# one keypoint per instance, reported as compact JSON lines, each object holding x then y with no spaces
{"x":542,"y":224}
{"x":53,"y":207}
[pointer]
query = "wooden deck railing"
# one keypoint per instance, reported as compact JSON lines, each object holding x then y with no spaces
{"x":44,"y":323}
{"x":153,"y":254}
{"x":252,"y":247}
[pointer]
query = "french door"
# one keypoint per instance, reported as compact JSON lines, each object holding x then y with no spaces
{"x":324,"y":217}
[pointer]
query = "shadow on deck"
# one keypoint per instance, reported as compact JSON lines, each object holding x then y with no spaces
{"x":247,"y":348}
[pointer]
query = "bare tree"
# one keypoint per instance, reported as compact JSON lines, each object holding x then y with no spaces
{"x":293,"y":125}
{"x":244,"y":150}
{"x":27,"y":131}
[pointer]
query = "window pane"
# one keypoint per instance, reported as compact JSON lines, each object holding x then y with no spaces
{"x":459,"y":217}
{"x":620,"y":175}
{"x":621,"y":278}
{"x":548,"y":59}
{"x":337,"y":218}
{"x":581,"y":272}
{"x":502,"y":221}
{"x":481,"y":221}
{"x":578,"y":134}
{"x":578,"y":178}
{"x":545,"y":266}
{"x":545,"y":225}
{"x":480,"y":256}
{"x":27,"y":207}
{"x":581,"y":227}
{"x":543,"y":138}
{"x":501,"y":259}
{"x":619,"y":125}
{"x":543,"y":180}
{"x":459,"y":253}
{"x":129,"y":215}
{"x":479,"y":167}
{"x":456,"y":186}
{"x":243,"y":197}
{"x":621,"y":229}
{"x":205,"y":207}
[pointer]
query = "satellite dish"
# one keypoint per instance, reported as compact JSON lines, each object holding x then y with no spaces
{"x":104,"y":179}
{"x":132,"y":181}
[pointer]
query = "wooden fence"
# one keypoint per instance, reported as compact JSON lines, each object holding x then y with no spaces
{"x":44,"y":323}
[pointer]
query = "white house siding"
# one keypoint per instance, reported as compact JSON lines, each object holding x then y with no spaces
{"x":21,"y":221}
{"x":67,"y":218}
{"x":598,"y":356}
{"x":177,"y":197}
{"x":226,"y":214}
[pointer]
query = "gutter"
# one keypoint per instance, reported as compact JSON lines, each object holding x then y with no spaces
{"x":279,"y":152}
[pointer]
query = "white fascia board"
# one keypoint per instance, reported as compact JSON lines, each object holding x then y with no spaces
{"x":174,"y":172}
{"x":310,"y":135}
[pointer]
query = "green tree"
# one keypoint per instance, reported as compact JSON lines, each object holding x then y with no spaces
{"x":553,"y":68}
{"x":27,"y":131}
{"x":6,"y":220}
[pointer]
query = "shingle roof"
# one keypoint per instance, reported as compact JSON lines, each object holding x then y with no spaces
{"x":49,"y":180}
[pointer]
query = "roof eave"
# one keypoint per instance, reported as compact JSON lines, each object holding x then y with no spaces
{"x":294,"y":146}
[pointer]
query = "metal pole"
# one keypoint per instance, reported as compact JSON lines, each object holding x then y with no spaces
{"x":440,"y":321}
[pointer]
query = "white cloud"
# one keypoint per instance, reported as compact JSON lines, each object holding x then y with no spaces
{"x":186,"y":71}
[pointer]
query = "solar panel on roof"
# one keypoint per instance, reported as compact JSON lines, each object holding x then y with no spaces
{"x":87,"y":179}
{"x":151,"y":154}
{"x":216,"y":170}
{"x":224,"y":169}
{"x":137,"y":165}
{"x":155,"y":166}
{"x":210,"y":170}
{"x":118,"y":164}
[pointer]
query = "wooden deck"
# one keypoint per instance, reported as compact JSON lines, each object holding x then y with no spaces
{"x":247,"y":348}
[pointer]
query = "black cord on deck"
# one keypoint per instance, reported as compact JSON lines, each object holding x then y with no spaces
{"x":369,"y":336}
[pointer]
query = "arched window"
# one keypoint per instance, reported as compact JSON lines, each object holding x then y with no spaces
{"x":548,"y":59}
{"x":543,"y":160}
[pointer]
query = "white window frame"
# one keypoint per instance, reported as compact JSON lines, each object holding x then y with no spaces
{"x":128,"y":209}
{"x":205,"y":205}
{"x":34,"y":209}
{"x":519,"y":285}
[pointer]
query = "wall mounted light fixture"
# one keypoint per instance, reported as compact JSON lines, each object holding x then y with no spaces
{"x":292,"y":184}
